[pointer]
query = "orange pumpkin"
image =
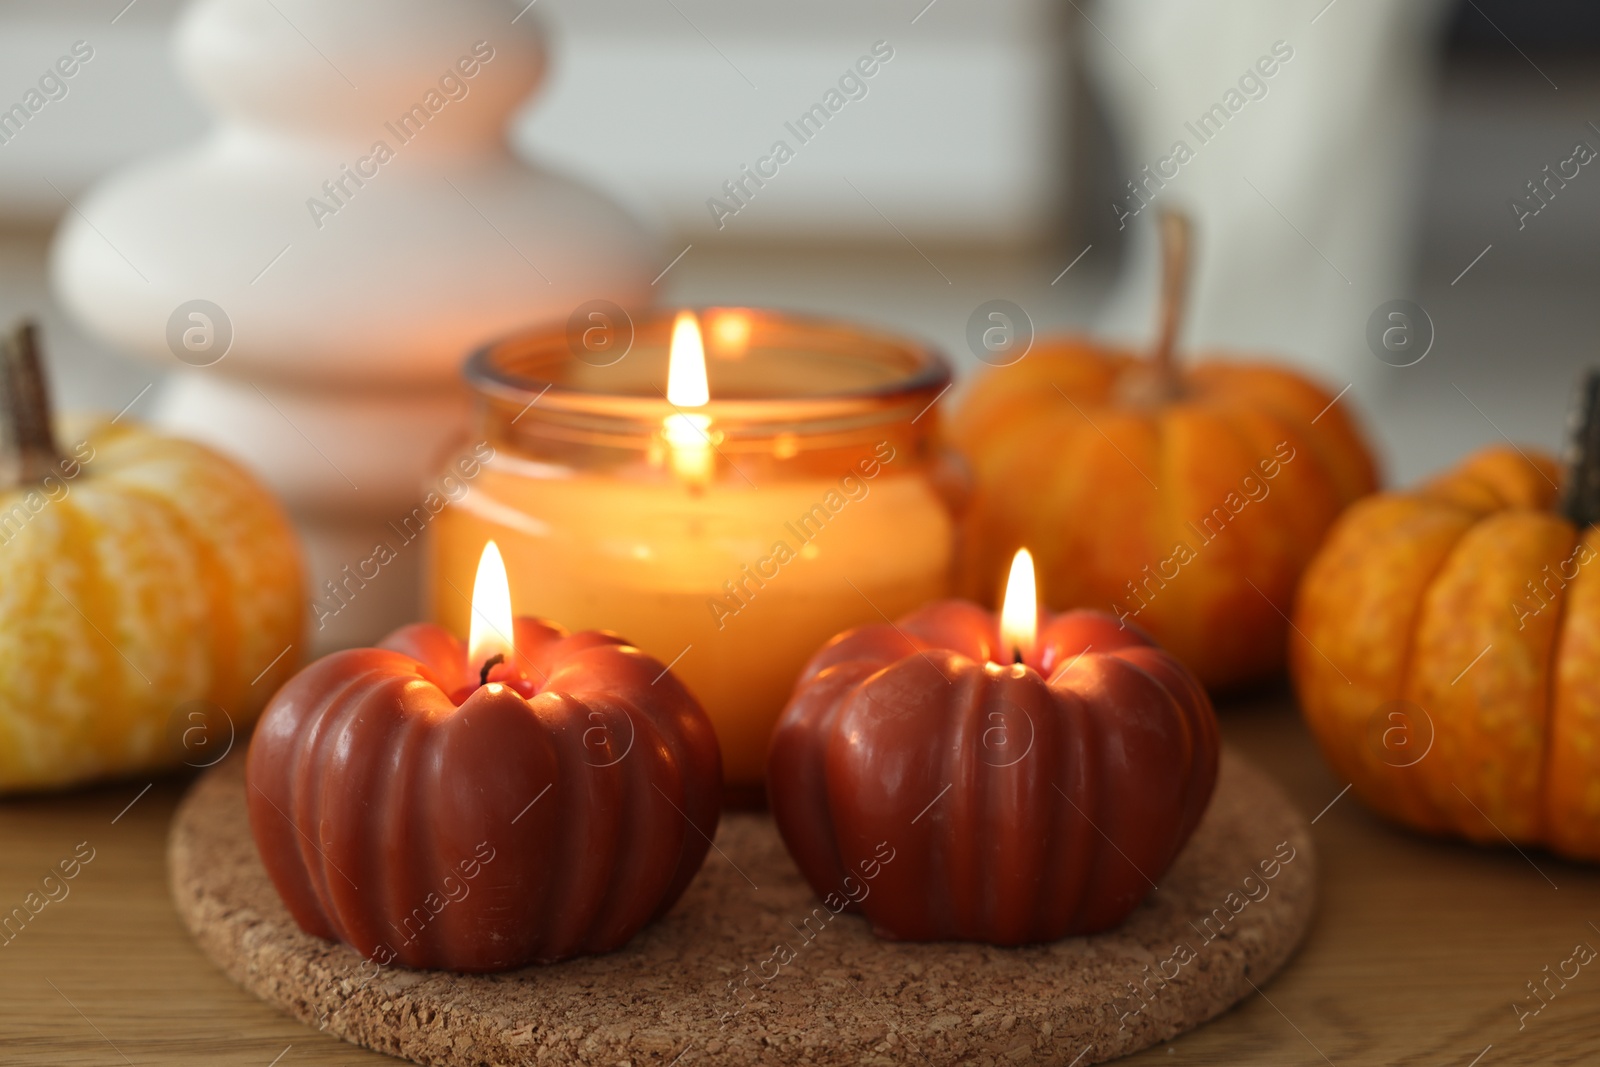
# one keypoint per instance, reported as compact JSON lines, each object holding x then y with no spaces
{"x":1188,"y":500}
{"x":1447,"y":656}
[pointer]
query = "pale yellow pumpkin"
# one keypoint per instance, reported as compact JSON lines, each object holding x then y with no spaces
{"x":142,"y":580}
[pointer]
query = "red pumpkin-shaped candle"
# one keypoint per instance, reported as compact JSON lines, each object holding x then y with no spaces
{"x":955,"y":779}
{"x":482,"y":815}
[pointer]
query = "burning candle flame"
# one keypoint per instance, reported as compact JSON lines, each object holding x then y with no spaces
{"x":688,"y":434}
{"x":1019,"y":612}
{"x":491,"y":630}
{"x":686,"y":364}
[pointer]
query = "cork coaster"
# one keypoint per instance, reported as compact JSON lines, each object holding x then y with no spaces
{"x":709,"y":984}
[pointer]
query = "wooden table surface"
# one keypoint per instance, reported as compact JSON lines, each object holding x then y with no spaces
{"x":1418,"y":952}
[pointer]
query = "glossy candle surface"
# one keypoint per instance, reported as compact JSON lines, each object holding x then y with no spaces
{"x":923,"y":777}
{"x":820,"y":506}
{"x":429,"y":820}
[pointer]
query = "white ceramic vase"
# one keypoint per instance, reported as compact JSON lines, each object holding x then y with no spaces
{"x":313,"y":271}
{"x":1294,"y":134}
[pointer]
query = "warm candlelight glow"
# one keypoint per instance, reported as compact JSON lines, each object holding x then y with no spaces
{"x":688,"y":434}
{"x":686,"y":364}
{"x":730,"y":332}
{"x":491,"y":628}
{"x":1019,"y":612}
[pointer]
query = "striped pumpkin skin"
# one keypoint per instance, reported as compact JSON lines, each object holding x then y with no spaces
{"x":1447,"y":656}
{"x":154,"y":574}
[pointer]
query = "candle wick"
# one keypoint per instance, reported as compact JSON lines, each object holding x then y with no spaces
{"x":1016,"y":654}
{"x":483,"y":675}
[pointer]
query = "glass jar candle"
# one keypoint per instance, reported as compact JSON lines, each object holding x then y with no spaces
{"x":727,"y":500}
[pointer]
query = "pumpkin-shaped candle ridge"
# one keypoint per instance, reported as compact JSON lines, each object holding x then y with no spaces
{"x":526,"y":798}
{"x":951,"y":779}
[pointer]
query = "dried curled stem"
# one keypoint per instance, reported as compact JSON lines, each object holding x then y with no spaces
{"x":26,"y":439}
{"x":1160,"y":381}
{"x":1581,"y":496}
{"x":1176,"y":235}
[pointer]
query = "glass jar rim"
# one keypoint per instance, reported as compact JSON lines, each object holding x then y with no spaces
{"x":523,"y":371}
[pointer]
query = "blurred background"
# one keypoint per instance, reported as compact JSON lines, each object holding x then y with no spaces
{"x":1001,"y":154}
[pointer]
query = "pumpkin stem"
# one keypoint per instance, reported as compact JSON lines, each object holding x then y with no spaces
{"x":1176,"y":233}
{"x":26,"y":439}
{"x":1581,"y":501}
